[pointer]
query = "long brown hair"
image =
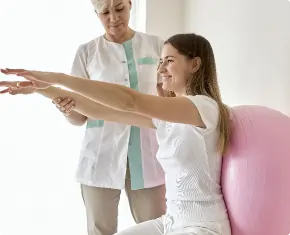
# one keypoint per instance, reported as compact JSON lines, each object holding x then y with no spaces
{"x":204,"y":81}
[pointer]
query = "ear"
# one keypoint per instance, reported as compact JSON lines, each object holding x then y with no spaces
{"x":130,"y":4}
{"x":196,"y":64}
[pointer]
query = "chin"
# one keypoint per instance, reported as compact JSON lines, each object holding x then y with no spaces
{"x":167,"y":87}
{"x":118,"y":30}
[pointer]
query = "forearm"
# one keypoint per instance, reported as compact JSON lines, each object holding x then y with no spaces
{"x":83,"y":106}
{"x":75,"y":118}
{"x":111,"y":95}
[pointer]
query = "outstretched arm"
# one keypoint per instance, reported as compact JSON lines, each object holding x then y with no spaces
{"x":88,"y":108}
{"x":175,"y":109}
{"x":74,"y":117}
{"x":94,"y":110}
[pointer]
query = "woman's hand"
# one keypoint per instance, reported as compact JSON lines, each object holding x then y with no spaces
{"x":13,"y":89}
{"x":36,"y":79}
{"x":65,"y":105}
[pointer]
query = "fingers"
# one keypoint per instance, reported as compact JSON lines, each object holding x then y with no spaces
{"x":36,"y":79}
{"x":11,"y":91}
{"x":4,"y":91}
{"x":12,"y":87}
{"x":64,"y":105}
{"x":8,"y":71}
{"x":8,"y":84}
{"x":67,"y":112}
{"x":19,"y":72}
{"x":29,"y":75}
{"x":57,"y":100}
{"x":24,"y":84}
{"x":16,"y":84}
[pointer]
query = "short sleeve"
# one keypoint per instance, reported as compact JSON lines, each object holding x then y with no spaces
{"x":79,"y":68}
{"x":208,"y":110}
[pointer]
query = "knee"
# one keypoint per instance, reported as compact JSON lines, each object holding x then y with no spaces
{"x":148,"y":212}
{"x":97,"y":226}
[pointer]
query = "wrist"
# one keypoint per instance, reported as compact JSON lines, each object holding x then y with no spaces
{"x":34,"y":90}
{"x":60,"y":77}
{"x":39,"y":91}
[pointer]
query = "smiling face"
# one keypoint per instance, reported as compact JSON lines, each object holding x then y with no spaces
{"x":175,"y":69}
{"x":114,"y":15}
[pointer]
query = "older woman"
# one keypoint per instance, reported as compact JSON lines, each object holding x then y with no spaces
{"x":116,"y":156}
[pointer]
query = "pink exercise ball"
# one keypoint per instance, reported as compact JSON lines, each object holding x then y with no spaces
{"x":256,"y":172}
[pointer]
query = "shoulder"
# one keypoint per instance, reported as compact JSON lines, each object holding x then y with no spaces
{"x":151,"y":37}
{"x":153,"y":40}
{"x":208,"y":110}
{"x":89,"y":45}
{"x":83,"y":56}
{"x":203,"y":100}
{"x":88,"y":50}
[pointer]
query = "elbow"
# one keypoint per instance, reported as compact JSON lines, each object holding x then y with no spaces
{"x":76,"y":119}
{"x":130,"y":104}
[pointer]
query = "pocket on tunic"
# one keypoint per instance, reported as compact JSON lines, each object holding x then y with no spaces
{"x":94,"y":124}
{"x":147,"y":60}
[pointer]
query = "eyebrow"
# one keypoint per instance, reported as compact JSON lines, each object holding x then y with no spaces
{"x":166,"y":57}
{"x":106,"y":8}
{"x":119,"y":4}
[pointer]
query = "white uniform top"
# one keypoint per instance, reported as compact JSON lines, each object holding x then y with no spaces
{"x":192,"y":166}
{"x":106,"y":146}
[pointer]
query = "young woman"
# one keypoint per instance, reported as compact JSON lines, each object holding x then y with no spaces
{"x":192,"y":131}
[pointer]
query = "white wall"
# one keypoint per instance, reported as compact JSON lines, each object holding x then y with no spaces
{"x":165,"y":17}
{"x":251,"y":40}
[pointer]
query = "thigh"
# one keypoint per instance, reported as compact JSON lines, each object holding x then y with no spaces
{"x":206,"y":228}
{"x":101,"y":209}
{"x":151,"y":227}
{"x":146,"y":204}
{"x":193,"y":231}
{"x":189,"y":232}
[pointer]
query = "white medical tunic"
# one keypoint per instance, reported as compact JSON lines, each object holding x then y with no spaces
{"x":106,"y":145}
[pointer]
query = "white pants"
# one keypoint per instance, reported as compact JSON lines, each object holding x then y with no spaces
{"x":156,"y":227}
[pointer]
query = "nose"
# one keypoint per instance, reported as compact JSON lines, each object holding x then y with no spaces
{"x":161,"y":68}
{"x":113,"y":16}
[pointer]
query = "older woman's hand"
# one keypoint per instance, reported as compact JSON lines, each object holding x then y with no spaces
{"x":65,"y":105}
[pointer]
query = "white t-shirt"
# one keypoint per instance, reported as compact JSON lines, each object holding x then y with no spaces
{"x":192,"y":165}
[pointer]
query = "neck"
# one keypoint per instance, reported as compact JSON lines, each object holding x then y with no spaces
{"x":120,"y":38}
{"x":180,"y":93}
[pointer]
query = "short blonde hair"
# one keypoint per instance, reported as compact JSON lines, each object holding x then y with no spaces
{"x":99,"y":5}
